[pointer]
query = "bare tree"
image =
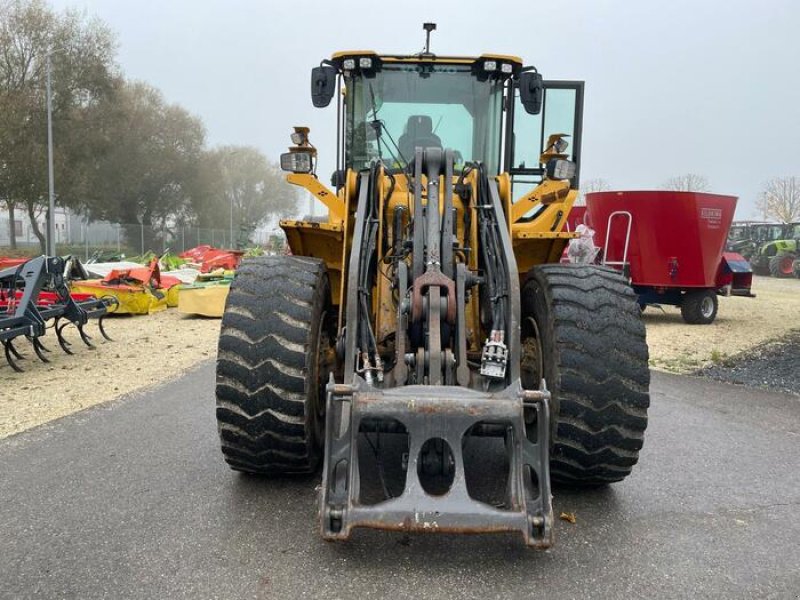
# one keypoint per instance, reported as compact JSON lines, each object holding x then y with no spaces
{"x":780,"y":199}
{"x":598,"y":184}
{"x":690,"y":182}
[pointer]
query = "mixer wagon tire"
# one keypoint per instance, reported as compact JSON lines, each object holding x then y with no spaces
{"x":782,"y":265}
{"x":274,"y":358}
{"x":583,"y":332}
{"x":700,"y":307}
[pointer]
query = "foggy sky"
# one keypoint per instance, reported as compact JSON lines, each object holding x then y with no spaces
{"x":671,"y":86}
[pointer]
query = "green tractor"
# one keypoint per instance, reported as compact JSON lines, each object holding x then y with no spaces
{"x":777,"y":251}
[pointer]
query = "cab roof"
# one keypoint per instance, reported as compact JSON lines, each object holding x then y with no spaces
{"x":467,"y":60}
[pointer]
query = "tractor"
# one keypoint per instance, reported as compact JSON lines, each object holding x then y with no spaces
{"x":776,"y":247}
{"x":423,"y":345}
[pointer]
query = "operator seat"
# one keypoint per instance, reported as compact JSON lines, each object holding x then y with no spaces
{"x":418,"y":132}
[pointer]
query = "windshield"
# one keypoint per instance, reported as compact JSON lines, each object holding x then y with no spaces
{"x":443,"y":106}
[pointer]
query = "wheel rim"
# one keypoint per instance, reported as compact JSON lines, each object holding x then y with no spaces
{"x":707,"y":307}
{"x":531,"y":363}
{"x":786,"y":265}
{"x":325,"y":362}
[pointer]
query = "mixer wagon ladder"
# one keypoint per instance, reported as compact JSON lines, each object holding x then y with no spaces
{"x":622,"y":264}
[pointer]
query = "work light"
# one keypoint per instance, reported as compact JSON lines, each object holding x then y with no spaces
{"x":296,"y":162}
{"x":299,"y":138}
{"x":559,"y":168}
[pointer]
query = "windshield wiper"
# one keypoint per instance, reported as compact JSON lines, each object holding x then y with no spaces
{"x":378,"y":125}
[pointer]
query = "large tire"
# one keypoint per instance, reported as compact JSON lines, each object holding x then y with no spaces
{"x":700,"y":307}
{"x":759,"y":265}
{"x":782,"y":265}
{"x":273,"y":362}
{"x":584,"y":322}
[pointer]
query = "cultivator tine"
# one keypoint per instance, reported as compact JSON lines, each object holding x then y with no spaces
{"x":39,"y":349}
{"x":103,"y":329}
{"x":84,"y":336}
{"x":61,"y":340}
{"x":9,"y":349}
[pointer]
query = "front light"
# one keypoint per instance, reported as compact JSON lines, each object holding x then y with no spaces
{"x":299,"y":138}
{"x":490,"y":65}
{"x":365,"y":62}
{"x":296,"y":162}
{"x":558,"y":168}
{"x":507,"y":68}
{"x":561,"y":145}
{"x":349,"y":64}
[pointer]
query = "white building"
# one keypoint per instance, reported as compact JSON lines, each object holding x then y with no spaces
{"x":24,"y":230}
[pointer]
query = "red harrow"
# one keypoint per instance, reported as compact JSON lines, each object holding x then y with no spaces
{"x":35,"y":297}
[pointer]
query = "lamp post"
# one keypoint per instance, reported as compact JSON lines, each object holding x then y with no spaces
{"x":51,"y":212}
{"x":232,"y":192}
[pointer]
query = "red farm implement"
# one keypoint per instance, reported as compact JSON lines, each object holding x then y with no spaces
{"x":207,"y":258}
{"x":670,"y":245}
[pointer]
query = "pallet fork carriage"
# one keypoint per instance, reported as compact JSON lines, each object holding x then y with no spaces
{"x":441,"y":414}
{"x":430,"y":313}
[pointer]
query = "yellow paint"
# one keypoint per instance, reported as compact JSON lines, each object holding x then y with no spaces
{"x":554,"y":194}
{"x":318,"y":240}
{"x":132,"y":300}
{"x":550,"y":152}
{"x":172,"y":295}
{"x":348,"y":53}
{"x":207,"y":301}
{"x":328,"y":197}
{"x":426,"y":58}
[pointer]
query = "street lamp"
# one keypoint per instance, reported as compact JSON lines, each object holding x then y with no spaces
{"x":51,"y":212}
{"x":232,"y":192}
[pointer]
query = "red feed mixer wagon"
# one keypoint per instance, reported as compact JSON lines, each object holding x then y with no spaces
{"x":671,"y":246}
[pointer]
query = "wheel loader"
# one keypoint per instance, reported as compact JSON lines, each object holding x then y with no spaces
{"x":425,"y":345}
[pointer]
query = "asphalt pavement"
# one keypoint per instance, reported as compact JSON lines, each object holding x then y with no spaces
{"x":133,"y":500}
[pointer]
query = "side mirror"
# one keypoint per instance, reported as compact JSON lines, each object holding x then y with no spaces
{"x":531,"y":92}
{"x":323,"y":85}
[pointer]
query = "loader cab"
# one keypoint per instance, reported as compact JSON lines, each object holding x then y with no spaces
{"x":388,"y":105}
{"x":393,"y":104}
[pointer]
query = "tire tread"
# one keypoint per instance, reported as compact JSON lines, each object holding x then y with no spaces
{"x":265,"y":353}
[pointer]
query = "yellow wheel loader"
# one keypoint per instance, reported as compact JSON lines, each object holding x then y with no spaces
{"x":425,"y":344}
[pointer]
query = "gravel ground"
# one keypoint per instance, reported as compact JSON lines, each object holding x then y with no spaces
{"x":147,"y":349}
{"x":741,"y":325}
{"x":774,"y":365}
{"x":159,"y":347}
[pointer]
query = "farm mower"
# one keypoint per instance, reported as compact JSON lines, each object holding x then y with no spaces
{"x":35,"y":293}
{"x":423,"y":343}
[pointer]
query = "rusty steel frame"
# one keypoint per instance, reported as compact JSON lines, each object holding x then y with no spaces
{"x":448,"y":413}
